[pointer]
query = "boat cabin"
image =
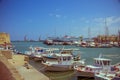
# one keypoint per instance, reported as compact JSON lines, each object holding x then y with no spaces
{"x":89,"y":68}
{"x":67,"y":51}
{"x":64,"y":59}
{"x":104,"y":63}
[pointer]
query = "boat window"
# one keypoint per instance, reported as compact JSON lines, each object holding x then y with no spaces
{"x":97,"y":62}
{"x":106,"y":62}
{"x":64,"y":59}
{"x":60,"y":59}
{"x":90,"y":69}
{"x":41,"y":50}
{"x":63,"y":52}
{"x":86,"y":68}
{"x":69,"y":58}
{"x":100,"y":63}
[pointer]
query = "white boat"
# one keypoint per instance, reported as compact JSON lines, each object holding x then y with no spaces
{"x":89,"y":71}
{"x":109,"y":74}
{"x":51,"y":52}
{"x":63,"y":62}
{"x":35,"y":52}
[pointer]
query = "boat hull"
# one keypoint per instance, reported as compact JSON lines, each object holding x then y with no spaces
{"x":85,"y":74}
{"x":55,"y":67}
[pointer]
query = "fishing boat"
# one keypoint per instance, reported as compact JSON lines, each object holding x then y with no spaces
{"x":50,"y":53}
{"x":64,"y":61}
{"x":89,"y":71}
{"x":35,"y":52}
{"x":48,"y":42}
{"x":109,"y":74}
{"x":53,"y":52}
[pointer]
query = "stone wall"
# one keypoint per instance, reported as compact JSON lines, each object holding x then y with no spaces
{"x":4,"y":37}
{"x":7,"y":53}
{"x":7,"y":71}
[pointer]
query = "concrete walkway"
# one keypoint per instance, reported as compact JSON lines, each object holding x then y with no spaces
{"x":26,"y":71}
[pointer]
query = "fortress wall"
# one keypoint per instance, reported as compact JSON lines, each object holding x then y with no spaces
{"x":7,"y":71}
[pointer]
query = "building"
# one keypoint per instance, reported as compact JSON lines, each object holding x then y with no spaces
{"x":104,"y":39}
{"x":4,"y":39}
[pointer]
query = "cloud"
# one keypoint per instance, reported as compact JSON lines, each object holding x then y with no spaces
{"x":113,"y":22}
{"x":57,"y":15}
{"x":99,"y":20}
{"x":109,"y":20}
{"x":87,"y":21}
{"x":97,"y":25}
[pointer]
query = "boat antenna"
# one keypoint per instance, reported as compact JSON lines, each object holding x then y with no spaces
{"x":62,"y":48}
{"x":100,"y":55}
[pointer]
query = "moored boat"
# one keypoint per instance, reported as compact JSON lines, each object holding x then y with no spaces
{"x":112,"y":74}
{"x":64,"y":61}
{"x":35,"y":53}
{"x":89,"y":71}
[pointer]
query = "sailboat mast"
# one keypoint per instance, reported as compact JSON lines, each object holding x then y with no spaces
{"x":106,"y":31}
{"x":25,"y":38}
{"x":118,"y":36}
{"x":89,"y":33}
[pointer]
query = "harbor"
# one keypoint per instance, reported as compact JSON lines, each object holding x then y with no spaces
{"x":110,"y":53}
{"x":59,"y":40}
{"x":58,"y":62}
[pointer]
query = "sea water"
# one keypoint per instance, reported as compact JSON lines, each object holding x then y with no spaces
{"x":86,"y":53}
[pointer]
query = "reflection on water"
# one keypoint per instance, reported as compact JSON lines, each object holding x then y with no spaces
{"x":68,"y":75}
{"x":60,"y":75}
{"x":112,"y":56}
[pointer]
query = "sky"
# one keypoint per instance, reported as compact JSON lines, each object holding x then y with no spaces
{"x":49,"y":18}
